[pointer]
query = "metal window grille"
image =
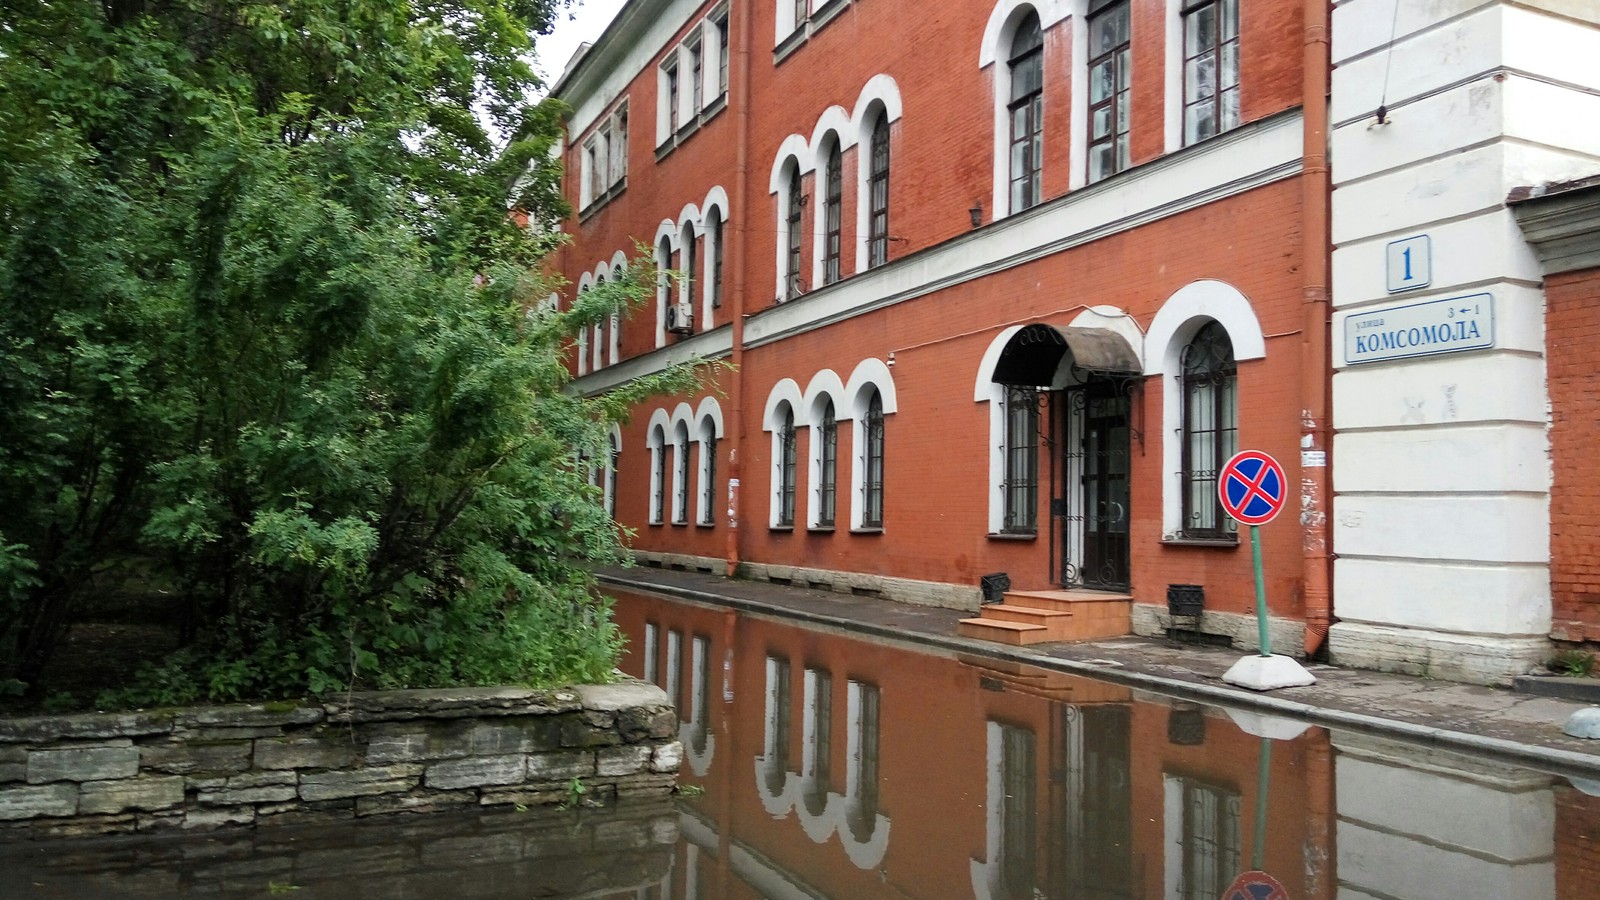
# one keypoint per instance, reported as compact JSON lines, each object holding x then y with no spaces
{"x":829,"y":450}
{"x":672,"y":97}
{"x":878,"y":187}
{"x":791,"y":281}
{"x":696,"y":79}
{"x":708,"y":486}
{"x":1021,"y":483}
{"x":1210,"y":840}
{"x":722,"y":54}
{"x":1210,"y":68}
{"x":872,"y":484}
{"x":786,"y":470}
{"x":1026,"y":112}
{"x":658,"y":499}
{"x":691,"y":250}
{"x":1210,"y":429}
{"x":1110,"y":62}
{"x":716,"y":262}
{"x":611,"y":478}
{"x":680,"y":505}
{"x":832,"y":212}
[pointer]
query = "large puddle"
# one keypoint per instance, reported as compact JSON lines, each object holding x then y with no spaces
{"x":839,"y":767}
{"x":822,"y":765}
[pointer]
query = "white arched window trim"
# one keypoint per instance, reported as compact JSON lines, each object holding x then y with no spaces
{"x":869,"y":374}
{"x":832,"y":129}
{"x":681,"y":436}
{"x":1174,"y":326}
{"x":825,"y":386}
{"x":995,"y":50}
{"x":715,"y":205}
{"x":879,"y":100}
{"x":663,"y":245}
{"x":707,"y":432}
{"x":794,"y":157}
{"x":655,"y":442}
{"x":784,"y":396}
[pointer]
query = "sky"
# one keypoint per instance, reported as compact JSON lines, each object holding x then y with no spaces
{"x":584,"y":22}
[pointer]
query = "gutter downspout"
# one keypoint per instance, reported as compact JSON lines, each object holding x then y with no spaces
{"x":1316,"y":374}
{"x":740,"y":232}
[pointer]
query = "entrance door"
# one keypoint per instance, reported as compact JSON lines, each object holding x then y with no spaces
{"x":1096,"y":553}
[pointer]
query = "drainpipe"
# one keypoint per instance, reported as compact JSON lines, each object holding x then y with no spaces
{"x":1316,"y":374}
{"x":739,"y":234}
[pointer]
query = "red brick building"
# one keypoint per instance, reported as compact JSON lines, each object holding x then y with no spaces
{"x":1002,"y":286}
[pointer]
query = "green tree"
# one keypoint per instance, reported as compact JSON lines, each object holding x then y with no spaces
{"x":264,"y":340}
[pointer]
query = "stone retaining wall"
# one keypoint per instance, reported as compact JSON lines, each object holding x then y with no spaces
{"x":355,"y":755}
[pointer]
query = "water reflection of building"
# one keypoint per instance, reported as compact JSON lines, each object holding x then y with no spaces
{"x":851,"y":769}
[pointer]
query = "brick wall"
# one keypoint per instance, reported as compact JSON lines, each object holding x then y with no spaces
{"x":1573,"y":332}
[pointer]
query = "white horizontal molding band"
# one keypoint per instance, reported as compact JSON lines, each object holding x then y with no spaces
{"x":1239,"y":161}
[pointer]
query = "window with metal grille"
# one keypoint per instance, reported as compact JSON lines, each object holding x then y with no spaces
{"x":832,"y":210}
{"x":611,"y":476}
{"x":1026,"y":111}
{"x":1210,"y":68}
{"x":658,"y":479}
{"x":672,"y":96}
{"x":872,"y":484}
{"x":791,"y":272}
{"x":691,"y":250}
{"x":696,"y":78}
{"x":1021,"y":485}
{"x":878,"y":190}
{"x":786,"y":470}
{"x":1210,"y":839}
{"x":715,"y":265}
{"x":1110,"y":62}
{"x":828,"y":468}
{"x":708,"y":475}
{"x":680,"y":500}
{"x":721,"y":23}
{"x":1210,"y":429}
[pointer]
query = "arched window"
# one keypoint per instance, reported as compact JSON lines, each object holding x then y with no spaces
{"x":691,"y":249}
{"x":872,"y":483}
{"x":680,"y":475}
{"x":1026,"y":110}
{"x":787,"y":442}
{"x":791,"y":271}
{"x":708,"y":473}
{"x":833,"y":215}
{"x":828,"y":470}
{"x":878,"y":189}
{"x":613,"y":458}
{"x":1109,"y":82}
{"x":1021,"y":487}
{"x":1210,"y":429}
{"x":658,"y":475}
{"x":663,"y":287}
{"x":714,"y":260}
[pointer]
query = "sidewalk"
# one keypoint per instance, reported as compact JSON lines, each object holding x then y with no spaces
{"x":1494,"y":721}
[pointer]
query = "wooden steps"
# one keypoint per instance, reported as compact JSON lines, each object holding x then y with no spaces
{"x":1035,"y":617}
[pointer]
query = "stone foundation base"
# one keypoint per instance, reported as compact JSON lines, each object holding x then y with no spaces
{"x":1476,"y":659}
{"x":1288,"y":635}
{"x":901,"y":590}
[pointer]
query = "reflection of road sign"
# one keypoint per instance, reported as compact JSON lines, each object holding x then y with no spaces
{"x":1255,"y":886}
{"x":1252,"y":487}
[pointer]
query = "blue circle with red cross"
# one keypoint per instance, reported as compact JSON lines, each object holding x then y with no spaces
{"x":1252,"y":487}
{"x":1255,"y":886}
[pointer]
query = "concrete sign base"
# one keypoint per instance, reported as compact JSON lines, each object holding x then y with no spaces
{"x":1268,"y":673}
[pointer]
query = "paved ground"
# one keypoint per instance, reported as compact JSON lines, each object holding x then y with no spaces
{"x":1489,"y":720}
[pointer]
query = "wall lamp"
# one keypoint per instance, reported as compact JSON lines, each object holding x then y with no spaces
{"x":976,"y":212}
